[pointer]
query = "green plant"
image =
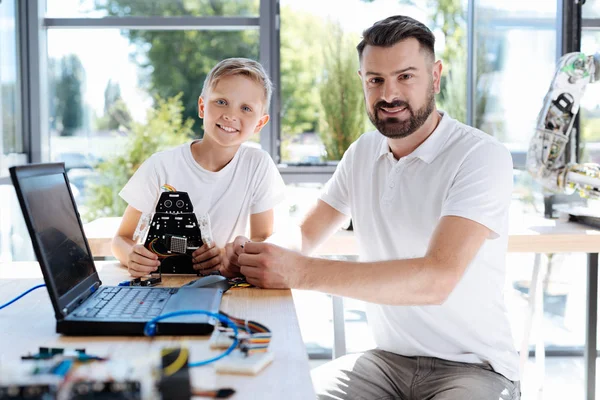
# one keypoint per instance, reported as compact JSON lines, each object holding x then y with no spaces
{"x":165,"y":128}
{"x":341,"y":95}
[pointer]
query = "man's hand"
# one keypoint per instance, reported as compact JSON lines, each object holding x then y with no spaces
{"x":230,"y":268}
{"x":272,"y":267}
{"x":207,"y":258}
{"x":141,"y":261}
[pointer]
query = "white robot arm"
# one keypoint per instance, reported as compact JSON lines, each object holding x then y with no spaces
{"x":545,"y":157}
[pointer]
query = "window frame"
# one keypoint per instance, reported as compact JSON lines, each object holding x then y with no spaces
{"x":33,"y":57}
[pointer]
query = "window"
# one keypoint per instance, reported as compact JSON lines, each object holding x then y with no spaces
{"x":513,"y":39}
{"x":11,"y":144}
{"x":322,"y":107}
{"x":150,"y":8}
{"x":590,"y":106}
{"x":14,"y":238}
{"x":591,"y":9}
{"x":118,"y":95}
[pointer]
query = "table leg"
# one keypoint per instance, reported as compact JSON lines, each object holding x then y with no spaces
{"x":591,"y":325}
{"x":534,"y":284}
{"x":339,"y":328}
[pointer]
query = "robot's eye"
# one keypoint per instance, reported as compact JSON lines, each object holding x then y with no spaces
{"x":179,"y":203}
{"x":168,"y":203}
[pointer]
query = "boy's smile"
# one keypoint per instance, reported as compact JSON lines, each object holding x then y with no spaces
{"x":233,"y":110}
{"x":227,"y":128}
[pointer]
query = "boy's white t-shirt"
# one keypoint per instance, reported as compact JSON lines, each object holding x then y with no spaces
{"x":395,"y":207}
{"x":249,"y":184}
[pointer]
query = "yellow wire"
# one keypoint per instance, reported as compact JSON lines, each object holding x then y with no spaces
{"x":177,"y":364}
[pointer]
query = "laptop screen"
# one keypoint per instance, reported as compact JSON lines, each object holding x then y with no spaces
{"x":60,"y":237}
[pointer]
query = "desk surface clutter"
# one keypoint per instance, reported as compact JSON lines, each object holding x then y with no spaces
{"x":29,"y":324}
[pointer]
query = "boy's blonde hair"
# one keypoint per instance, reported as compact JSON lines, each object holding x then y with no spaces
{"x":240,"y":66}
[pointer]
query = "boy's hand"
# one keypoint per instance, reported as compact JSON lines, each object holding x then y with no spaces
{"x":141,"y":261}
{"x":230,"y":267}
{"x":207,"y":259}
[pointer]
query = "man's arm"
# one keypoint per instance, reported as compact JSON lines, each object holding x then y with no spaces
{"x":320,"y":223}
{"x":421,"y":281}
{"x":261,"y":228}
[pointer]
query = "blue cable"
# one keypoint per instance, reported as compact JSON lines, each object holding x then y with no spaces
{"x":150,"y":330}
{"x":21,"y":295}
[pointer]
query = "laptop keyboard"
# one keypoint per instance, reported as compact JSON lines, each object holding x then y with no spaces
{"x":126,"y":302}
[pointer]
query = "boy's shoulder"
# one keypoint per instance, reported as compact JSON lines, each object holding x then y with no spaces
{"x":251,"y":151}
{"x":170,"y":152}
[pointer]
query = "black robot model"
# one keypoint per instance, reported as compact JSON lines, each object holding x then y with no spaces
{"x":174,"y":233}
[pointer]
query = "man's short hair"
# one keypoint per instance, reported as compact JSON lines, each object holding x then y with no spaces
{"x":392,"y":30}
{"x":240,"y":66}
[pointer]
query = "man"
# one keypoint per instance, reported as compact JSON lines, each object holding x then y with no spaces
{"x":429,"y":200}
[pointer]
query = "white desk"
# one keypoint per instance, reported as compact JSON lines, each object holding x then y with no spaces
{"x":29,"y":324}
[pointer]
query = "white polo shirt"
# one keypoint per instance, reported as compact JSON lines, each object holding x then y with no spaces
{"x":395,"y":206}
{"x":249,"y":184}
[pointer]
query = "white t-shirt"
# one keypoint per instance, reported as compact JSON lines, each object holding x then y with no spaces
{"x":249,"y":184}
{"x":395,"y":206}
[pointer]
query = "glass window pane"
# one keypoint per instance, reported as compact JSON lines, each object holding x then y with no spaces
{"x":517,"y":8}
{"x":150,"y":8}
{"x":508,"y":99}
{"x":10,"y":100}
{"x":590,"y":107}
{"x":103,"y":86}
{"x":316,"y":126}
{"x":591,"y":9}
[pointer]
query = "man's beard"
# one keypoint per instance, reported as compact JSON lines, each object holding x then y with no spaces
{"x":394,"y":128}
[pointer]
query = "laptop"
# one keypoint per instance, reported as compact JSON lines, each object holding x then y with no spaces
{"x":82,"y":304}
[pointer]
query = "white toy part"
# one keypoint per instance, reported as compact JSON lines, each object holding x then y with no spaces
{"x":141,"y":230}
{"x":546,"y":154}
{"x":205,"y":229}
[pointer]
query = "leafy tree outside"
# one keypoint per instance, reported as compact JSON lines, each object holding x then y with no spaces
{"x":116,"y":113}
{"x":175,"y":62}
{"x":341,"y":94}
{"x":165,"y":128}
{"x":68,"y":88}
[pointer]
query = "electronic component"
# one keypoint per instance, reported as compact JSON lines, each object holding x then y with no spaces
{"x":142,"y":282}
{"x":175,"y":375}
{"x":239,"y":363}
{"x":224,"y":393}
{"x":29,"y":392}
{"x":46,"y":353}
{"x":176,"y":244}
{"x":109,"y":390}
{"x":251,"y":355}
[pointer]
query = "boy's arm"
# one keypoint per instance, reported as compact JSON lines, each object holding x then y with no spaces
{"x":139,"y":260}
{"x":320,"y":223}
{"x":261,"y":225}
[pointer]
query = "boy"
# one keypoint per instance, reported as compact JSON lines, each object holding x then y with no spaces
{"x":230,"y":182}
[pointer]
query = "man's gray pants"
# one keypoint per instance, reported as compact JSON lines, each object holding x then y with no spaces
{"x":381,"y":375}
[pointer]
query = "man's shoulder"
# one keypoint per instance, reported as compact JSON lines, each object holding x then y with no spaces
{"x":468,"y":137}
{"x":367,"y":146}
